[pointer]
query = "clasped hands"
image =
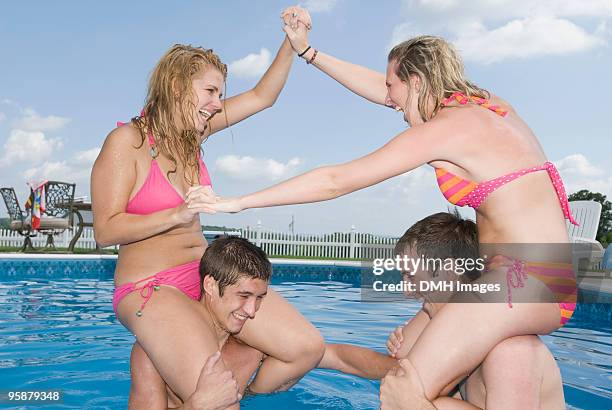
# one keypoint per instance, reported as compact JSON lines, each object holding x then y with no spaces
{"x":202,"y":199}
{"x":296,"y":23}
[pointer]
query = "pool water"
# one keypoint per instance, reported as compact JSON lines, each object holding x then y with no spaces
{"x":58,"y":332}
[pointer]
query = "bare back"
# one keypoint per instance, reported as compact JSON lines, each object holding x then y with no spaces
{"x":483,"y":146}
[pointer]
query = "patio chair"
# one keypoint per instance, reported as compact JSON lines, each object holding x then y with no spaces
{"x":58,"y":213}
{"x":587,"y":250}
{"x":19,"y":219}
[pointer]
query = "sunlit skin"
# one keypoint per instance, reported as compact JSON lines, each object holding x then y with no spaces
{"x":474,"y":144}
{"x":239,"y":303}
{"x":225,"y":316}
{"x":151,"y":243}
{"x":423,"y":275}
{"x":207,"y":85}
{"x":397,"y":91}
{"x":404,"y":96}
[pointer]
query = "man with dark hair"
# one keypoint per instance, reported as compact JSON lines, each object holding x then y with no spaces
{"x":234,"y":276}
{"x":442,"y":236}
{"x":519,"y":372}
{"x":234,"y":281}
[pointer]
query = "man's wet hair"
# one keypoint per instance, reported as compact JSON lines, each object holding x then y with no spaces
{"x":228,"y":259}
{"x":441,"y":236}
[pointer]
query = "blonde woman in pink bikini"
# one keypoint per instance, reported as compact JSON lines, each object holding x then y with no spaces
{"x":139,"y":185}
{"x":484,"y":156}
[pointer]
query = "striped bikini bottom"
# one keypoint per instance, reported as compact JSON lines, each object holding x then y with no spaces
{"x":558,"y":277}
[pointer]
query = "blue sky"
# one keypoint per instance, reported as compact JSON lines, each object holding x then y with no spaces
{"x":71,"y":69}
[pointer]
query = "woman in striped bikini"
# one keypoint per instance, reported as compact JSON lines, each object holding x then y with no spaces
{"x":466,"y":134}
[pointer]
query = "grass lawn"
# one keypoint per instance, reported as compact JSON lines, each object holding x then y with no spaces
{"x":77,"y":251}
{"x":58,"y":250}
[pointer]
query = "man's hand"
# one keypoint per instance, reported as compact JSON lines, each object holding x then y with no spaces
{"x":394,"y":342}
{"x":216,"y":389}
{"x":402,"y":389}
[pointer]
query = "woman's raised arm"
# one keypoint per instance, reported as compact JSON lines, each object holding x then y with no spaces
{"x":363,"y":81}
{"x":260,"y":97}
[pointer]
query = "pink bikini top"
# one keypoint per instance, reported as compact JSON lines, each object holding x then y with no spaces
{"x":463,"y":192}
{"x":157,"y":193}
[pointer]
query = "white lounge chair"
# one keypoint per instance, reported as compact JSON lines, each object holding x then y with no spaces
{"x":588,"y":252}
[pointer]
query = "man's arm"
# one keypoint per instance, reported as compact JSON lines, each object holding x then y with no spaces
{"x":356,"y":360}
{"x":216,"y":389}
{"x":368,"y":363}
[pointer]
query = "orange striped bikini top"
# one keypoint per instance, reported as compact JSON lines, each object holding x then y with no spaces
{"x":463,"y":192}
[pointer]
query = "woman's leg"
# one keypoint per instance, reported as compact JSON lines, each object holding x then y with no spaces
{"x":293,"y":345}
{"x":174,"y":334}
{"x":147,"y":389}
{"x":451,"y":403}
{"x":461,"y":335}
{"x":519,"y":373}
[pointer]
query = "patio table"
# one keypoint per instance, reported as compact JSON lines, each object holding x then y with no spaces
{"x":76,"y":208}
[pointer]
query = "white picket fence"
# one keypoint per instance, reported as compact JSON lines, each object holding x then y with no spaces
{"x":349,"y":245}
{"x":62,"y":240}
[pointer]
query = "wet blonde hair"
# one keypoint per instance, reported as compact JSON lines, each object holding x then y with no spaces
{"x":439,"y":68}
{"x":170,"y":86}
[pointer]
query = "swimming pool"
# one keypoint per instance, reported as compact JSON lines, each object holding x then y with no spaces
{"x":58,"y":332}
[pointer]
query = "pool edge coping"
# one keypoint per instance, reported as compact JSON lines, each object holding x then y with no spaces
{"x":282,"y":261}
{"x":592,"y":284}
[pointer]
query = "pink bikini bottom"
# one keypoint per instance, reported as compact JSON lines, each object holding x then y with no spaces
{"x":185,"y":278}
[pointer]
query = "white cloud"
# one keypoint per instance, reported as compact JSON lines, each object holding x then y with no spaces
{"x":52,"y":170}
{"x":319,"y":6}
{"x":28,"y":146}
{"x":246,"y":168}
{"x":76,"y":170}
{"x":578,"y":173}
{"x":584,"y":8}
{"x":509,"y":9}
{"x":87,"y":157}
{"x":603,"y":30}
{"x":402,"y":32}
{"x":408,"y":188}
{"x":489,"y":31}
{"x":526,"y":38}
{"x":28,"y":153}
{"x":2,"y":116}
{"x":253,"y":65}
{"x":577,"y":165}
{"x":416,"y":179}
{"x":601,"y":185}
{"x":32,"y":121}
